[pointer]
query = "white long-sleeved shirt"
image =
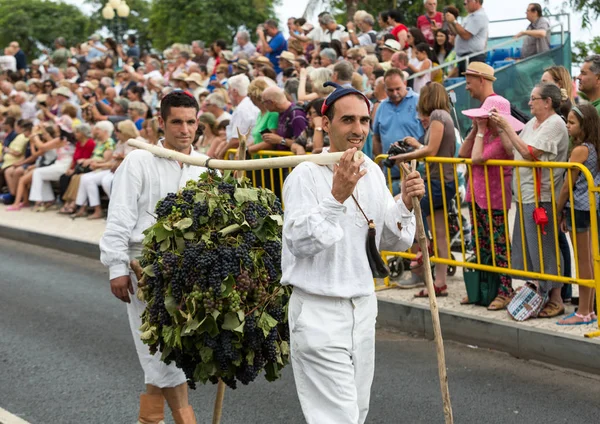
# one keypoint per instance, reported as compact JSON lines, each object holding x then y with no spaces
{"x":324,"y":242}
{"x":140,"y":182}
{"x":243,"y":118}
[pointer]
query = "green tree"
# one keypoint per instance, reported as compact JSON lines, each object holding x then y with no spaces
{"x":35,"y":24}
{"x":590,"y":10}
{"x":182,"y":21}
{"x":581,"y":49}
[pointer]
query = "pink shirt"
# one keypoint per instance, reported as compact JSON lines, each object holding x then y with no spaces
{"x":492,"y":149}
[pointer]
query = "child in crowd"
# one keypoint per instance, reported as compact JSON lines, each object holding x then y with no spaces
{"x":582,"y":123}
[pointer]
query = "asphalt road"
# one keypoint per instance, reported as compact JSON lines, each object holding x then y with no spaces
{"x":66,"y":356}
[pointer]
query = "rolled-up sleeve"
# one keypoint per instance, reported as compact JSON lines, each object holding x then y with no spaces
{"x":310,"y":226}
{"x":122,"y":216}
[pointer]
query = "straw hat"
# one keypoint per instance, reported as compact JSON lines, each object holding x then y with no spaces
{"x":62,"y":91}
{"x":194,"y":77}
{"x":182,"y":76}
{"x":392,"y":45}
{"x":289,"y":56}
{"x":480,"y":69}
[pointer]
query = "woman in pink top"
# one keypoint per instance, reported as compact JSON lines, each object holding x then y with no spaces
{"x":484,"y":143}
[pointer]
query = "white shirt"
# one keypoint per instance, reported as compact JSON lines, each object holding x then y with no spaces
{"x":324,"y":242}
{"x":225,"y":116}
{"x":29,"y":111}
{"x":153,"y":74}
{"x":243,"y":118}
{"x":140,"y":182}
{"x":8,"y":63}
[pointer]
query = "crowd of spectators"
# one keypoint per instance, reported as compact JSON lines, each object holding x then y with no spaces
{"x":66,"y":116}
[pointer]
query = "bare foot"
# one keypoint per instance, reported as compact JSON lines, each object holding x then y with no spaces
{"x":96,"y":216}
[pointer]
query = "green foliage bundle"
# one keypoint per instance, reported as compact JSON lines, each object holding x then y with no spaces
{"x":212,"y":265}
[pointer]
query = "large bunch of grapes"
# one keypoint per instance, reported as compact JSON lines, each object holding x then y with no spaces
{"x":212,"y":265}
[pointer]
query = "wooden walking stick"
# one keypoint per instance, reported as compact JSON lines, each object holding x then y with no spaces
{"x":435,"y":315}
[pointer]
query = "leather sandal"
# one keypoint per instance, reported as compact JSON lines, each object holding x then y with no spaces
{"x":552,"y":309}
{"x":439,"y":292}
{"x":499,"y":303}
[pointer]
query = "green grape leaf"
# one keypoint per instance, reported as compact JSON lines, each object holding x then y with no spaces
{"x":165,"y":245}
{"x":266,"y":322}
{"x":168,"y":335}
{"x":199,"y":197}
{"x":212,"y":205}
{"x":149,"y":235}
{"x":227,"y":286}
{"x":272,"y":372}
{"x":206,"y":353}
{"x":171,"y":305}
{"x":190,"y":235}
{"x":161,"y":233}
{"x":147,"y":335}
{"x":149,"y":271}
{"x":180,"y":244}
{"x":167,"y":227}
{"x":191,"y":326}
{"x":184,"y":223}
{"x":278,"y":219}
{"x":241,"y":315}
{"x":208,"y":325}
{"x":231,"y":321}
{"x":177,"y":337}
{"x":285,"y":348}
{"x":243,"y":195}
{"x":250,"y":357}
{"x":230,"y":229}
{"x":240,"y":329}
{"x":165,"y":353}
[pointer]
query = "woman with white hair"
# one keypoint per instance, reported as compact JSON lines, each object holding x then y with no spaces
{"x":317,"y":77}
{"x":99,"y":166}
{"x":68,"y":153}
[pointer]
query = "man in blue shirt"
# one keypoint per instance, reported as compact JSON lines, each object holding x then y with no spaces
{"x":397,"y":116}
{"x":273,"y":48}
{"x":19,"y":57}
{"x":94,"y":52}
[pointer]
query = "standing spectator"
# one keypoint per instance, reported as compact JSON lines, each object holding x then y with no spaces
{"x":589,"y":80}
{"x":333,"y":31}
{"x":133,"y":50}
{"x":439,"y":141}
{"x":342,"y":74}
{"x":443,"y":49}
{"x":313,"y":138}
{"x":424,"y":63}
{"x":317,"y":77}
{"x":367,"y":36}
{"x":215,"y":104}
{"x":543,"y":139}
{"x":399,"y":31}
{"x":200,"y":56}
{"x":292,"y":119}
{"x":243,"y":117}
{"x":96,"y":48}
{"x":328,"y":57}
{"x":582,"y":123}
{"x":209,"y":141}
{"x":480,"y":81}
{"x":60,"y":57}
{"x":396,"y":116}
{"x":537,"y":34}
{"x":385,"y":27}
{"x":273,"y":47}
{"x":244,"y":45}
{"x":20,"y":58}
{"x":484,"y":143}
{"x":472,"y":35}
{"x":431,"y":21}
{"x":559,"y":76}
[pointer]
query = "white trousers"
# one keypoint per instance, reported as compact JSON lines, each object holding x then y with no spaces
{"x":89,"y":188}
{"x":333,"y":356}
{"x":41,"y":187}
{"x":156,"y":372}
{"x":107,"y":183}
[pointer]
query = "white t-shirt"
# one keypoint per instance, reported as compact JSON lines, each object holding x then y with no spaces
{"x":8,"y":63}
{"x":552,"y":138}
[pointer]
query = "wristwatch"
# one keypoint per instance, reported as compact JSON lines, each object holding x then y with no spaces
{"x":283,"y":143}
{"x":318,"y":129}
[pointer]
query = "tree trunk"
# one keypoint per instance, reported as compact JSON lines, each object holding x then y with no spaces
{"x":351,"y":6}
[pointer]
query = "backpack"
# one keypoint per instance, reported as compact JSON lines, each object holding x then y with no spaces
{"x":373,"y":36}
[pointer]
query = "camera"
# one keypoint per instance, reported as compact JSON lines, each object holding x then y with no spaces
{"x":87,"y":97}
{"x":398,"y":148}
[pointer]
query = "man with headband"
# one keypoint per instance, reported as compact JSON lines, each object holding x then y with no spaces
{"x":140,"y":182}
{"x":333,"y":307}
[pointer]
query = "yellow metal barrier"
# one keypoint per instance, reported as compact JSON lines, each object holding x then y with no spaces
{"x":593,"y":191}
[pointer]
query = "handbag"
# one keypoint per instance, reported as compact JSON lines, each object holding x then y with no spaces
{"x":527,"y":303}
{"x":482,"y":286}
{"x":540,"y":215}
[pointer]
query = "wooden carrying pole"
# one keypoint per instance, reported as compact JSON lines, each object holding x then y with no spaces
{"x":244,"y":165}
{"x":435,"y":315}
{"x":218,"y":409}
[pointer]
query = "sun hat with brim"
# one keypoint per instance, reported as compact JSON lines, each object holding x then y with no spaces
{"x":392,"y":45}
{"x":228,"y":55}
{"x":242,"y":64}
{"x":180,"y":77}
{"x":263,"y":60}
{"x":194,"y":77}
{"x":480,"y":69}
{"x":88,"y":84}
{"x":62,"y":91}
{"x":501,"y":105}
{"x":65,"y":123}
{"x":289,"y":56}
{"x":123,"y":102}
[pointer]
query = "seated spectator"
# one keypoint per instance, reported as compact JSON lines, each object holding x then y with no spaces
{"x":100,"y":160}
{"x":583,"y":123}
{"x":544,"y":139}
{"x":368,"y":65}
{"x":151,"y":131}
{"x":328,"y":57}
{"x":387,"y":51}
{"x":537,"y":35}
{"x":84,"y":148}
{"x":367,"y":36}
{"x":439,"y":141}
{"x":137,"y":112}
{"x":208,"y":140}
{"x":312,"y":139}
{"x":317,"y":78}
{"x":266,"y":122}
{"x":15,"y":151}
{"x":215,"y":103}
{"x":292,"y":119}
{"x":484,"y":143}
{"x":44,"y":141}
{"x":342,"y":73}
{"x":124,"y":130}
